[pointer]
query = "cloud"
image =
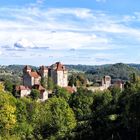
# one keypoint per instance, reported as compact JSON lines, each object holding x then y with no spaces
{"x":40,"y":1}
{"x":101,"y":0}
{"x":24,"y":43}
{"x":29,"y":28}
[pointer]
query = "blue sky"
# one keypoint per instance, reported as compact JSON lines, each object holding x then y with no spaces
{"x":91,"y":32}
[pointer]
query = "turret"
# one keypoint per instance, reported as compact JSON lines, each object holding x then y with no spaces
{"x":27,"y":69}
{"x":43,"y":71}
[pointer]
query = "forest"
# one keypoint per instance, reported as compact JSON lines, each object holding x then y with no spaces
{"x":111,"y":114}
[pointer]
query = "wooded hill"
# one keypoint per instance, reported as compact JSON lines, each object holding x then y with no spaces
{"x":116,"y":71}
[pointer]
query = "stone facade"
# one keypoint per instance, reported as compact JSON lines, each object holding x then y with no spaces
{"x":59,"y":74}
{"x":23,"y":91}
{"x":106,"y":82}
{"x":30,"y":77}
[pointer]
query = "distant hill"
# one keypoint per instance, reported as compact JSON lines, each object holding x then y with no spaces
{"x":116,"y":71}
{"x":12,"y":73}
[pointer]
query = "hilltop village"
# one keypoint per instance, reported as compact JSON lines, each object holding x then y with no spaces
{"x":58,"y":73}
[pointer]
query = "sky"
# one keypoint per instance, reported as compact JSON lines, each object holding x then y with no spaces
{"x":91,"y":32}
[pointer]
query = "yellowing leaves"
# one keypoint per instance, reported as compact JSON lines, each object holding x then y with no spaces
{"x":7,"y":116}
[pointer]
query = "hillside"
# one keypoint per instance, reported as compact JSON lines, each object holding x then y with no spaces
{"x":116,"y":71}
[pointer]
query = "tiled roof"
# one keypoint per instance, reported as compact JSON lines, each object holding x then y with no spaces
{"x":34,"y":74}
{"x":70,"y":89}
{"x":21,"y":87}
{"x":59,"y":67}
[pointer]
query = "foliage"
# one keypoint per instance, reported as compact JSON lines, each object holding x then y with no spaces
{"x":77,"y":79}
{"x":44,"y":82}
{"x":81,"y":102}
{"x":7,"y":112}
{"x":63,"y":93}
{"x":8,"y":86}
{"x":35,"y":94}
{"x":59,"y":118}
{"x":51,"y":84}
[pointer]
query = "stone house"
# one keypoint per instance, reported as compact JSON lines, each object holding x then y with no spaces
{"x":24,"y":91}
{"x":30,"y":77}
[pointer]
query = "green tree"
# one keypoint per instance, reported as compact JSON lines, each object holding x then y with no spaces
{"x":35,"y":94}
{"x":102,"y":115}
{"x":58,"y":118}
{"x":51,"y":84}
{"x":8,"y":86}
{"x":44,"y":82}
{"x":7,"y":112}
{"x":63,"y":93}
{"x":81,"y":102}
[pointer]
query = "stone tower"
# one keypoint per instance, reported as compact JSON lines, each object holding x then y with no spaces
{"x":26,"y":69}
{"x":43,"y":71}
{"x":106,"y":81}
{"x":59,"y":74}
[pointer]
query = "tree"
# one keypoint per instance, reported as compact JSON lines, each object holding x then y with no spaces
{"x":8,"y":86}
{"x":51,"y":84}
{"x":7,"y":112}
{"x":35,"y":94}
{"x":81,"y":102}
{"x":7,"y":117}
{"x":44,"y":82}
{"x":102,"y":115}
{"x":58,"y":118}
{"x":77,"y":79}
{"x":63,"y":93}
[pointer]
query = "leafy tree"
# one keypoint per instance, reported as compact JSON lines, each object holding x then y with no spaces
{"x":7,"y":112}
{"x":44,"y":82}
{"x":77,"y":79}
{"x":35,"y":94}
{"x":81,"y":102}
{"x":58,"y":119}
{"x":7,"y":117}
{"x":51,"y":84}
{"x":63,"y":93}
{"x":8,"y":86}
{"x":102,"y":115}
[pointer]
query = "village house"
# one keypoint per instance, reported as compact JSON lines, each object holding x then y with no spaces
{"x":30,"y":77}
{"x":24,"y":91}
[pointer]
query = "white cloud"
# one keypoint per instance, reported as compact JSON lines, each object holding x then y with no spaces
{"x":101,"y":0}
{"x":66,"y":28}
{"x":24,"y":43}
{"x":40,"y":1}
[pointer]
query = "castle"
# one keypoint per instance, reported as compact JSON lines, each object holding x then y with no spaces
{"x":57,"y":72}
{"x":32,"y":79}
